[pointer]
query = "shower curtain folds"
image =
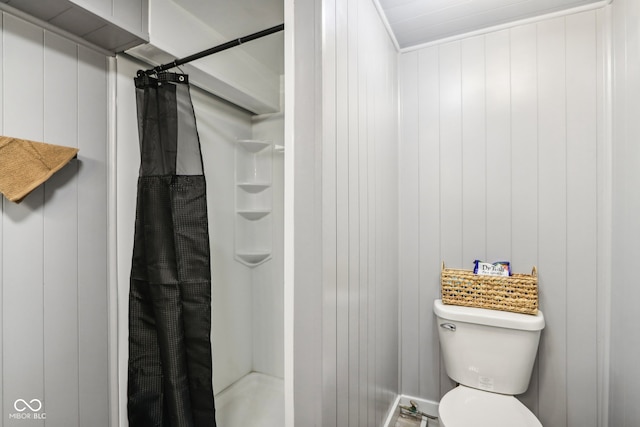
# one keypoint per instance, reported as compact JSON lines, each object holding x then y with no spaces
{"x":170,"y":364}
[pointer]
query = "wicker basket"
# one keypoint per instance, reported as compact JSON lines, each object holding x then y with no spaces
{"x":517,"y":293}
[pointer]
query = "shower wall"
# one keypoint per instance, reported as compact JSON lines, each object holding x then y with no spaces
{"x":268,"y":278}
{"x":245,"y":301}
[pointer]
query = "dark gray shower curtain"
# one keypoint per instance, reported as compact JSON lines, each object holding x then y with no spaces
{"x":170,"y":365}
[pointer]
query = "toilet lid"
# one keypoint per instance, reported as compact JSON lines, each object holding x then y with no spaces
{"x":464,"y":406}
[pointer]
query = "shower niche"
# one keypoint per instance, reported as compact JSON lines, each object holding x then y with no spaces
{"x":254,"y":201}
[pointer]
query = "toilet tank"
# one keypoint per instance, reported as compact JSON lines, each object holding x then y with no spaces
{"x":488,"y":349}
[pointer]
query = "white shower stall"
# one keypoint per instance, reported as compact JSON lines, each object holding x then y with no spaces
{"x":243,"y":157}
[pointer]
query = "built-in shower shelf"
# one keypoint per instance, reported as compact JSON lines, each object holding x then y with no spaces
{"x":254,"y":215}
{"x":253,"y":145}
{"x":253,"y":223}
{"x":253,"y":258}
{"x":254,"y":187}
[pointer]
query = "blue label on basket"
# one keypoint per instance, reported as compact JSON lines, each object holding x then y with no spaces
{"x":500,"y":268}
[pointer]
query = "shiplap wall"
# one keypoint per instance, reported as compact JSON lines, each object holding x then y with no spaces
{"x":344,"y":154}
{"x":500,"y":138}
{"x":53,"y":251}
{"x":625,"y":293}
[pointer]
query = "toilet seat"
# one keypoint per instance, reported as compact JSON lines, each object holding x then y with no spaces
{"x":467,"y":407}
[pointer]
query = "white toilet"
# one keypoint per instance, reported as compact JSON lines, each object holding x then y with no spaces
{"x":490,"y":354}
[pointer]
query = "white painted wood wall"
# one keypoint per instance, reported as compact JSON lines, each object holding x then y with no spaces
{"x":625,"y":294}
{"x":503,"y":157}
{"x":53,"y":246}
{"x":519,"y":111}
{"x":342,"y":250}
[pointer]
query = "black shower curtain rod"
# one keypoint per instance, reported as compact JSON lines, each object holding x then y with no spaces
{"x":211,"y":51}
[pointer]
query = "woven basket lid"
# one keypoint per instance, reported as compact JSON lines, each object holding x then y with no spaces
{"x":24,"y":165}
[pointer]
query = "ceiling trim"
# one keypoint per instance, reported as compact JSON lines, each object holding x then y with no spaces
{"x":387,"y":26}
{"x":493,"y":28}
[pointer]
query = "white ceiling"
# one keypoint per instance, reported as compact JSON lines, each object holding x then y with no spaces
{"x":416,"y":22}
{"x":412,"y":22}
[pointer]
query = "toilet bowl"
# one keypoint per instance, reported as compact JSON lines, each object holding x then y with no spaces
{"x":490,"y":354}
{"x":466,"y":407}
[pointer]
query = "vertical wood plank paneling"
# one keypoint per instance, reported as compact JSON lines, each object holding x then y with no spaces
{"x":375,"y":228}
{"x":359,"y":214}
{"x":366,"y":408}
{"x":552,"y":213}
{"x":376,"y":219}
{"x":342,"y":211}
{"x":373,"y":254}
{"x":473,"y":151}
{"x":527,"y":88}
{"x":524,"y":158}
{"x":581,"y":218}
{"x":365,"y":289}
{"x":329,"y":219}
{"x":450,"y":154}
{"x":305,"y":193}
{"x":622,"y":253}
{"x":524,"y":143}
{"x":41,"y":346}
{"x":605,"y":207}
{"x":374,"y":142}
{"x":60,"y":231}
{"x":625,"y":342}
{"x":524,"y":155}
{"x":409,"y":224}
{"x":628,"y":291}
{"x":23,"y":40}
{"x":23,"y":228}
{"x":92,"y":231}
{"x":388,"y":194}
{"x":389,"y":231}
{"x":428,"y":350}
{"x":353,"y":214}
{"x":498,"y":130}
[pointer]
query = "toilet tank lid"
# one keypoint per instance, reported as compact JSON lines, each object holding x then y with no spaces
{"x":482,"y":316}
